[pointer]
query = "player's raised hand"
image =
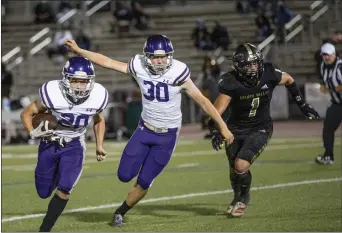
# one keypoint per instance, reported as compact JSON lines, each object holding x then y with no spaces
{"x":100,"y":154}
{"x":309,"y":111}
{"x":72,"y":45}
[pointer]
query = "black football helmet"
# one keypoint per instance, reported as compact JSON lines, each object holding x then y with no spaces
{"x":248,"y":62}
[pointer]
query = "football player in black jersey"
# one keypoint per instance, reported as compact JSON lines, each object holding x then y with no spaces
{"x":247,"y":89}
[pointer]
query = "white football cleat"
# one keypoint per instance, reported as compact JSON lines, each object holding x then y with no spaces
{"x":238,"y":210}
{"x":230,"y":209}
{"x":324,"y":160}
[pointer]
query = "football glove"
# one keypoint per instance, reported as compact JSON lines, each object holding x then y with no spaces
{"x":309,"y":111}
{"x":41,"y":131}
{"x":217,"y":141}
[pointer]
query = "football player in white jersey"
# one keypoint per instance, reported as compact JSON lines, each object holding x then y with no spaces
{"x":161,"y":79}
{"x":75,"y":101}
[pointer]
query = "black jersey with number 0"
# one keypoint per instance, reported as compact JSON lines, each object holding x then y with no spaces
{"x":249,"y":108}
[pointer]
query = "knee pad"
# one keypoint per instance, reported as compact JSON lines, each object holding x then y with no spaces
{"x":247,"y":155}
{"x":128,"y":167}
{"x":44,"y":191}
{"x":44,"y":186}
{"x":124,"y":176}
{"x":144,"y":184}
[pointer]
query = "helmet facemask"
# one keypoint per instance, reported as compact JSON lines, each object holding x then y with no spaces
{"x":250,"y":71}
{"x":77,"y":87}
{"x":158,"y":68}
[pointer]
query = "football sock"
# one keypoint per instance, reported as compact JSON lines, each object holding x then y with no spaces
{"x":233,"y":182}
{"x":245,"y":182}
{"x":55,"y":208}
{"x":123,"y":209}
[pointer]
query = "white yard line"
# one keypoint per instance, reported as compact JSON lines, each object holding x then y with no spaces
{"x":186,"y":165}
{"x":30,"y":167}
{"x":168,"y":198}
{"x":108,"y":144}
{"x":121,"y":145}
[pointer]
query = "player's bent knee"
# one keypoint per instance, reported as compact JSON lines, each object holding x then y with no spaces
{"x":124,"y":176}
{"x":241,"y":165}
{"x":44,"y":192}
{"x":44,"y":195}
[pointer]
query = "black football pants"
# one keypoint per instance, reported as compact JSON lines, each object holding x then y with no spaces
{"x":332,"y":121}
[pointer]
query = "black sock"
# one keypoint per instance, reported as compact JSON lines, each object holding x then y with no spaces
{"x":245,"y":182}
{"x":123,"y":209}
{"x":234,"y":182}
{"x":55,"y":208}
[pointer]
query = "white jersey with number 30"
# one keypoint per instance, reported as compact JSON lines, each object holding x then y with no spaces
{"x":161,"y":94}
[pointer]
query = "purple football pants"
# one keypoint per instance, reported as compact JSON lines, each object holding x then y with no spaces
{"x":58,"y":166}
{"x":146,"y":154}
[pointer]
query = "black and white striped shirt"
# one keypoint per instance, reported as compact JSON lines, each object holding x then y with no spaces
{"x":331,"y":77}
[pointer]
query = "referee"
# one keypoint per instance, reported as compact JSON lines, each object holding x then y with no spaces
{"x":331,"y":82}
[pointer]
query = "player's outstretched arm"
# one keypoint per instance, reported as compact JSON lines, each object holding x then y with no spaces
{"x":98,"y":58}
{"x":293,"y":89}
{"x":221,"y":104}
{"x":205,"y":104}
{"x":99,"y":131}
{"x":29,"y":112}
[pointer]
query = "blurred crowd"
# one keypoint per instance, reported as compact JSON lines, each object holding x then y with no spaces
{"x":271,"y":16}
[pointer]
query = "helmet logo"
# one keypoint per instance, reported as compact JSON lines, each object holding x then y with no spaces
{"x":81,"y":73}
{"x":159,"y":52}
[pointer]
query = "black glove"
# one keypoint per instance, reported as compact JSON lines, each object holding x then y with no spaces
{"x":217,"y":140}
{"x":309,"y":111}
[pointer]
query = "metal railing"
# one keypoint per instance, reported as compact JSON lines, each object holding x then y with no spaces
{"x":13,"y":58}
{"x":43,"y":38}
{"x":45,"y":42}
{"x":97,"y":7}
{"x":318,"y":9}
{"x":35,"y":47}
{"x":292,"y":29}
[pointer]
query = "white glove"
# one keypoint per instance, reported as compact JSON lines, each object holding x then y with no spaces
{"x":39,"y":133}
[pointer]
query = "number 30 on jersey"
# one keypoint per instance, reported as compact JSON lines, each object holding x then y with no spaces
{"x":159,"y":91}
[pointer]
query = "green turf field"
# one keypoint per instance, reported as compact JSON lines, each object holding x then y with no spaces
{"x":190,"y":195}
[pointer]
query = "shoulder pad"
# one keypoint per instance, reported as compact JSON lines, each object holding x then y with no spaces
{"x":49,"y":93}
{"x":226,"y":83}
{"x":180,"y":72}
{"x":135,"y":64}
{"x":101,"y":96}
